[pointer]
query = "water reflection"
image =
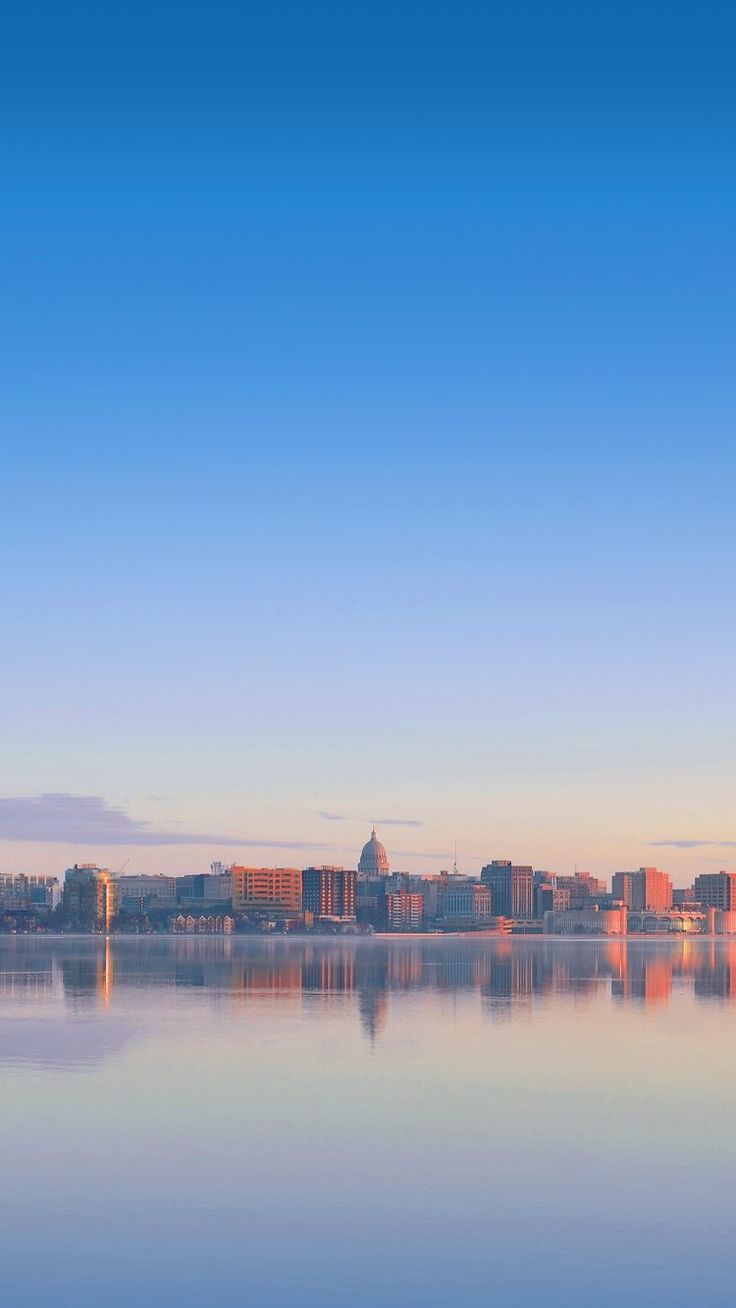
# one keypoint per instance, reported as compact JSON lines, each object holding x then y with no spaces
{"x":508,"y":975}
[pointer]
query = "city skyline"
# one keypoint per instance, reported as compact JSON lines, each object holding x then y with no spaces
{"x":131,"y":844}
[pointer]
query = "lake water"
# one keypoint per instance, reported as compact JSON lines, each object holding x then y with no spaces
{"x":388,"y":1122}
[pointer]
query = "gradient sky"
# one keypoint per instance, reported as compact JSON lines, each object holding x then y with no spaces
{"x":367,"y":377}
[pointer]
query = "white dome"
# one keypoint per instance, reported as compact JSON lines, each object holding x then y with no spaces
{"x":374,"y":859}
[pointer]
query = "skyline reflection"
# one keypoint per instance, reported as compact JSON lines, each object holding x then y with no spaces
{"x":508,"y":975}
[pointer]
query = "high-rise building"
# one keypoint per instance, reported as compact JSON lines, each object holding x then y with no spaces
{"x":329,"y":892}
{"x":404,"y":910}
{"x":373,"y":860}
{"x":512,"y":888}
{"x":647,"y":888}
{"x":716,"y":890}
{"x":272,"y":890}
{"x":90,"y":895}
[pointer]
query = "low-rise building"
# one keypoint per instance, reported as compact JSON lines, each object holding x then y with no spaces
{"x":642,"y":921}
{"x":204,"y":891}
{"x":141,"y":894}
{"x":591,"y":921}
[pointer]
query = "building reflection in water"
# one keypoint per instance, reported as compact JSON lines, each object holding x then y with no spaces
{"x":508,"y":975}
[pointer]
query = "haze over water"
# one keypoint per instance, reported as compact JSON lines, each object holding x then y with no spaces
{"x":394,"y":1122}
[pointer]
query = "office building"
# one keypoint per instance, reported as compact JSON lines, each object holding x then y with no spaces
{"x":512,"y":888}
{"x":143,"y":894}
{"x":23,"y":892}
{"x":89,"y":896}
{"x":329,"y":892}
{"x":468,"y":902}
{"x":716,"y":890}
{"x":272,"y":891}
{"x":647,"y":888}
{"x":204,"y":891}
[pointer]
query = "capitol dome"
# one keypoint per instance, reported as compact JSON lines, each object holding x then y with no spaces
{"x":373,"y":860}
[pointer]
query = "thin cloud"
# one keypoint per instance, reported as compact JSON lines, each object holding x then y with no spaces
{"x":377,"y":822}
{"x":397,"y":822}
{"x":694,"y":844}
{"x":88,"y":820}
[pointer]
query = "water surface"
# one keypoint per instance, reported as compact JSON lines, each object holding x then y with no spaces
{"x":393,"y":1122}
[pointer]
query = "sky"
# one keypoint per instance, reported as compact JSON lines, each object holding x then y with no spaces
{"x":367,"y":434}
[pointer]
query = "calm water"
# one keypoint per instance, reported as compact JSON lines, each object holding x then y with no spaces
{"x":389,"y":1122}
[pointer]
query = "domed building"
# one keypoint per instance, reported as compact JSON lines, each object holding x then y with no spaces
{"x":374,"y":859}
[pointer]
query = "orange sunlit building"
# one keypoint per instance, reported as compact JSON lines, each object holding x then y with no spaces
{"x":647,"y":888}
{"x":275,"y":890}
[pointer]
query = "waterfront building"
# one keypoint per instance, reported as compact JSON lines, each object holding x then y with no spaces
{"x":373,"y":860}
{"x":591,"y":921}
{"x":670,"y":921}
{"x":720,"y":921}
{"x":329,"y":892}
{"x":404,"y":911}
{"x":139,"y":894}
{"x":512,"y":888}
{"x":647,"y":888}
{"x":716,"y":890}
{"x":20,"y":891}
{"x":275,"y":891}
{"x":89,"y":895}
{"x":209,"y":925}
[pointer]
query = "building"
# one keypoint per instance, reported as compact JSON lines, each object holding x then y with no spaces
{"x":142,"y":894}
{"x":582,"y":888}
{"x":89,"y":896}
{"x":271,"y":891}
{"x":373,"y":860}
{"x":716,"y":890}
{"x":19,"y":891}
{"x":468,"y":902}
{"x":548,"y":898}
{"x":204,"y":891}
{"x":212,"y":924}
{"x":668,"y":921}
{"x":591,"y":921}
{"x":647,"y":888}
{"x":512,"y":888}
{"x":329,"y":892}
{"x":404,"y":911}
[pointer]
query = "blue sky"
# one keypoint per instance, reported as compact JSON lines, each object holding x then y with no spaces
{"x":368,"y":407}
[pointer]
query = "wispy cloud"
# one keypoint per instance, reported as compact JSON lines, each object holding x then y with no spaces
{"x":694,"y":844}
{"x":378,"y":821}
{"x":89,"y":820}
